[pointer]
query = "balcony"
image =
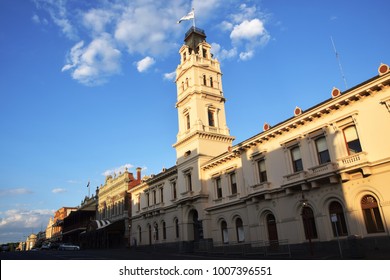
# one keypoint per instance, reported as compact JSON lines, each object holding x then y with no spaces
{"x":294,"y":177}
{"x":354,"y":166}
{"x":353,"y":161}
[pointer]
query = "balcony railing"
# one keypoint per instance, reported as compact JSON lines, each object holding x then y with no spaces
{"x":352,"y":160}
{"x":323,"y":169}
{"x":295,"y":177}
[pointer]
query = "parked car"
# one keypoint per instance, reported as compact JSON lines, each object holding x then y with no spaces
{"x":45,"y":247}
{"x":67,"y":246}
{"x":4,"y":247}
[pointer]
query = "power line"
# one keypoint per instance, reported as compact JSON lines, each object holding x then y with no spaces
{"x":338,"y":60}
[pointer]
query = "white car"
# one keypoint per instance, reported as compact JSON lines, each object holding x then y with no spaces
{"x":68,"y":247}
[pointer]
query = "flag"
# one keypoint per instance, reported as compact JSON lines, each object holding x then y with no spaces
{"x":190,"y":15}
{"x":88,"y":184}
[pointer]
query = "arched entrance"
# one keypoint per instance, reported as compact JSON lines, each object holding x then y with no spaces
{"x":272,"y":230}
{"x":150,"y":234}
{"x":195,"y":230}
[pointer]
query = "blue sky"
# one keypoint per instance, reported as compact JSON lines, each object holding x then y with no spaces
{"x":88,"y":88}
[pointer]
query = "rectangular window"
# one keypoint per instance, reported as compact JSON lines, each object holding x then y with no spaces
{"x":218,"y":187}
{"x":233,"y":183}
{"x":322,"y":150}
{"x":161,"y":195}
{"x":189,"y":182}
{"x":148,"y":199}
{"x":211,"y":117}
{"x":262,"y":171}
{"x":174,"y":190}
{"x":138,"y":203}
{"x":352,"y":140}
{"x":188,"y":123}
{"x":154,"y":197}
{"x":296,"y":159}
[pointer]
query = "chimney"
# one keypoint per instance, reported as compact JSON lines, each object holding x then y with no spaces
{"x":139,"y":173}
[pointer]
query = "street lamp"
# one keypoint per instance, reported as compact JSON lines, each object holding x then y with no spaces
{"x":306,"y":222}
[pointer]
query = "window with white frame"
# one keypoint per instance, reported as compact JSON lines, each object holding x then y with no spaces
{"x":352,"y":140}
{"x":138,"y":203}
{"x":218,"y":187}
{"x":322,"y":150}
{"x":233,"y":183}
{"x":262,"y":171}
{"x":174,"y":190}
{"x":224,"y":232}
{"x":161,"y":194}
{"x":296,"y":159}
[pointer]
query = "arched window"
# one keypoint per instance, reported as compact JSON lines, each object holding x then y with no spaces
{"x":339,"y":225}
{"x":352,"y":140}
{"x":139,"y":235}
{"x":224,"y":232}
{"x":150,"y":233}
{"x":272,"y":230}
{"x":204,"y":80}
{"x":240,"y":230}
{"x":211,"y":82}
{"x":177,"y":228}
{"x":309,"y":223}
{"x":155,"y":231}
{"x":164,"y":229}
{"x":372,"y":216}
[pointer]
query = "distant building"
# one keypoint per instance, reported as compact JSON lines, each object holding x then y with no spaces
{"x":49,"y":228}
{"x":76,"y":222}
{"x":58,"y":222}
{"x":111,"y":227}
{"x":319,"y":176}
{"x":30,"y":242}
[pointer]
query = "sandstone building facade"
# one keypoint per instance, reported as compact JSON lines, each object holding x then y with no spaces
{"x":321,"y":175}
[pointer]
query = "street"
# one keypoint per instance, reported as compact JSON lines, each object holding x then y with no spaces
{"x":101,"y":254}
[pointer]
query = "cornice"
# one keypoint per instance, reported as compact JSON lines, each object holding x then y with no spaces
{"x":205,"y":135}
{"x":361,"y":91}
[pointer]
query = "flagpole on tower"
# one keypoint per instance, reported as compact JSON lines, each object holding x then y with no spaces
{"x":89,"y":193}
{"x":193,"y":20}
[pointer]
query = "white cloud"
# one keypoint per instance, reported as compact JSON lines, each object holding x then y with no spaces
{"x":15,"y":191}
{"x":248,"y":30}
{"x":245,"y":13}
{"x":35,"y":19}
{"x":17,"y":224}
{"x":58,"y":190}
{"x":226,"y":26}
{"x":148,"y":28}
{"x":247,"y":33}
{"x":116,"y":170}
{"x":170,"y":76}
{"x":97,"y":19}
{"x":246,"y":55}
{"x":91,"y":65}
{"x":22,"y":222}
{"x":221,"y":53}
{"x":145,"y":63}
{"x":59,"y":15}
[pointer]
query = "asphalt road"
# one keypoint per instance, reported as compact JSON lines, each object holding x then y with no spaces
{"x":113,"y":254}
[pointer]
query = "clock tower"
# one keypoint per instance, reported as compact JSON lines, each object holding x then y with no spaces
{"x":203,"y":132}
